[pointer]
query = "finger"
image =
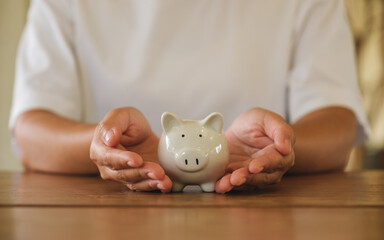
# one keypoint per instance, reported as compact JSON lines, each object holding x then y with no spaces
{"x":115,"y":158}
{"x":239,"y":177}
{"x":155,"y":171}
{"x":128,"y":121}
{"x":121,"y":147}
{"x":270,"y":160}
{"x":261,"y":122}
{"x":164,"y":185}
{"x":149,"y":170}
{"x":108,"y":133}
{"x":224,"y":185}
{"x":233,"y":166}
{"x":264,"y":179}
{"x":282,"y":133}
{"x":284,"y":138}
{"x":113,"y":125}
{"x":145,"y":185}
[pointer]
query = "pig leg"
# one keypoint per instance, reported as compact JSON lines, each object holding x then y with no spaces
{"x":177,"y":187}
{"x":208,"y":187}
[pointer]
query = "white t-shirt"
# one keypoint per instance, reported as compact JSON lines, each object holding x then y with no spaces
{"x":82,"y":58}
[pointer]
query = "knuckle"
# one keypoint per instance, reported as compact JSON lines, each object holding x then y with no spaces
{"x":278,"y":180}
{"x":137,"y":174}
{"x":135,"y":110}
{"x":94,"y":153}
{"x":281,"y":166}
{"x":120,"y":176}
{"x":268,"y":179}
{"x":151,"y":186}
{"x":107,"y":155}
{"x":102,"y":127}
{"x":154,"y":167}
{"x":134,"y":175}
{"x":131,"y":186}
{"x":104,"y":175}
{"x":100,"y":162}
{"x":93,"y":156}
{"x":115,"y":111}
{"x":141,"y":174}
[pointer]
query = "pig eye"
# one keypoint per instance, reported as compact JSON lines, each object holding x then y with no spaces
{"x":200,"y":135}
{"x":182,"y":135}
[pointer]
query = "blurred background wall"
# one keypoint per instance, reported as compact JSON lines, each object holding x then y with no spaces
{"x":12,"y":19}
{"x":367,"y":22}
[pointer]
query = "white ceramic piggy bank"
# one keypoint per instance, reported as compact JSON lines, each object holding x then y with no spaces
{"x":193,"y":152}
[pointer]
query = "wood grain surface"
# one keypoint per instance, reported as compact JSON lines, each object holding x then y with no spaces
{"x":191,"y":223}
{"x":322,"y":206}
{"x":357,"y":189}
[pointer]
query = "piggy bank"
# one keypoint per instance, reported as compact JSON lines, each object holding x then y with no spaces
{"x":193,"y":152}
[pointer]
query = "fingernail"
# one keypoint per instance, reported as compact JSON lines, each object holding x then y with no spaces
{"x":160,"y":186}
{"x":151,"y":175}
{"x":153,"y":184}
{"x":108,"y":136}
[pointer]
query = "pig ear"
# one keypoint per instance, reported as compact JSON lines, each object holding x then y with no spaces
{"x":215,"y":121}
{"x":170,"y":120}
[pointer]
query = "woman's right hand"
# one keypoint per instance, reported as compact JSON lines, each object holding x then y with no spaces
{"x":124,"y":148}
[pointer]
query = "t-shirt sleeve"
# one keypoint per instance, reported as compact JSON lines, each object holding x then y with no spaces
{"x":46,"y":74}
{"x":323,"y":72}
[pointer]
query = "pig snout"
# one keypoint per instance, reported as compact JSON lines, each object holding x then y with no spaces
{"x":191,"y":160}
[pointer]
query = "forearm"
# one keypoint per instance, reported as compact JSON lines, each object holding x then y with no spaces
{"x":324,"y":140}
{"x":50,"y":143}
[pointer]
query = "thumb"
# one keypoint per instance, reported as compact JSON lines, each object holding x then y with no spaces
{"x":280,"y":131}
{"x":111,"y":137}
{"x":119,"y":121}
{"x":285,"y":139}
{"x":284,"y":144}
{"x":113,"y":125}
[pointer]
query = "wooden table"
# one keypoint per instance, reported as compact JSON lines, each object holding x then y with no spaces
{"x":323,"y":206}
